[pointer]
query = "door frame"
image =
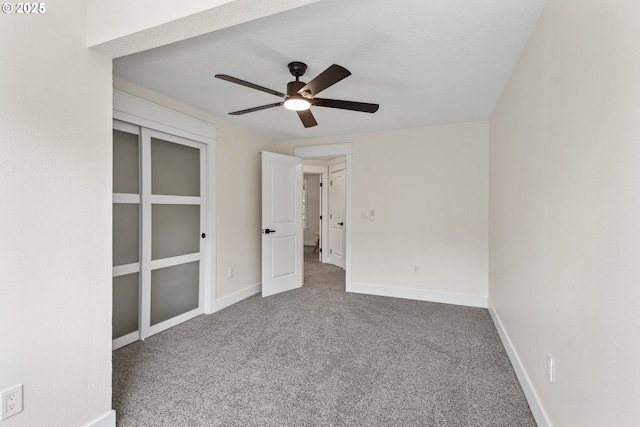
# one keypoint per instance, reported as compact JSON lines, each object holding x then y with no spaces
{"x":337,"y":150}
{"x":137,"y":111}
{"x":323,"y":172}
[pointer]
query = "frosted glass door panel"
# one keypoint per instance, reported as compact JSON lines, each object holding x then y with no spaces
{"x":125,"y":304}
{"x":175,"y":169}
{"x":126,"y":163}
{"x":174,"y":291}
{"x":126,"y":233}
{"x":175,"y":230}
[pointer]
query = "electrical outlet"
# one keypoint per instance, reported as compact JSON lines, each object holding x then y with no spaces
{"x":231,"y":272}
{"x":550,"y":367}
{"x":11,"y":401}
{"x":416,"y":269}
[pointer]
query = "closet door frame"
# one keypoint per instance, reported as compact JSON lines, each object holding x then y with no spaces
{"x":130,"y":109}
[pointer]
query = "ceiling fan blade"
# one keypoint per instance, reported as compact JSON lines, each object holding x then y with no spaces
{"x":328,"y":77}
{"x":345,"y":105}
{"x":251,"y":85}
{"x":307,"y":118}
{"x":251,"y":110}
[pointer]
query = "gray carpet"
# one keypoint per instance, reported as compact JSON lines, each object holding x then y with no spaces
{"x":318,"y":356}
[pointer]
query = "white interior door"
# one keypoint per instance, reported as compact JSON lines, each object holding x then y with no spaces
{"x":337,"y":217}
{"x":282,"y":233}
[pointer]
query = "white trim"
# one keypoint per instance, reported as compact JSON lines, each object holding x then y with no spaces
{"x":121,"y":270}
{"x":305,"y":187}
{"x":309,"y":243}
{"x":326,"y":150}
{"x":314,"y":169}
{"x":349,"y":218}
{"x":419,"y":295}
{"x":144,"y":313}
{"x":131,"y":109}
{"x":159,"y":199}
{"x":235,"y":297}
{"x":107,"y":420}
{"x":337,"y":166}
{"x":204,"y":225}
{"x":174,"y":260}
{"x":125,"y":340}
{"x":126,"y":127}
{"x":210,"y":247}
{"x":124,"y":198}
{"x":535,"y":404}
{"x":169,"y":323}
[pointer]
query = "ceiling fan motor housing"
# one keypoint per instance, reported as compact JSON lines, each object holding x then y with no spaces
{"x":294,"y":87}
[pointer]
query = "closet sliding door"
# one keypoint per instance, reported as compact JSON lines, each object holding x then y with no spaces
{"x":173,"y":224}
{"x":159,"y":223}
{"x":126,"y":234}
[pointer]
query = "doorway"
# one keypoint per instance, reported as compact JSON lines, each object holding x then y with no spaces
{"x":282,"y":229}
{"x":312,"y":211}
{"x":324,"y":208}
{"x":332,"y":153}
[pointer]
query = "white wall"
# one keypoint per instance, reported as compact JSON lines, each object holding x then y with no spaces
{"x":565,"y":211}
{"x":238,"y":196}
{"x":429,"y":189}
{"x":55,"y":218}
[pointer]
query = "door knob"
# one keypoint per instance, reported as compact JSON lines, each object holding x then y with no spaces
{"x":267,"y":231}
{"x":341,"y":223}
{"x":204,"y":235}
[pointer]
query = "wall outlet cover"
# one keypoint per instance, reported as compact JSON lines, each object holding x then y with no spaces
{"x":11,"y":401}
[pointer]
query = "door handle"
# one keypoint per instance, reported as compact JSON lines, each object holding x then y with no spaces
{"x":341,"y":223}
{"x":267,"y":231}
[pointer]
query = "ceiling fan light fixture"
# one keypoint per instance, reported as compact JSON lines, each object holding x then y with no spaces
{"x":296,"y":103}
{"x":300,"y":96}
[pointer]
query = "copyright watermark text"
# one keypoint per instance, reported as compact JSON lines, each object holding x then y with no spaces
{"x":24,"y":8}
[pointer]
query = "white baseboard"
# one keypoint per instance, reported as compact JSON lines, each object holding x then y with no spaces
{"x":542,"y":419}
{"x":419,"y":295}
{"x":107,"y":420}
{"x":229,"y":300}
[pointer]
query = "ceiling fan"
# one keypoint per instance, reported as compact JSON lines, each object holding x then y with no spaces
{"x":300,"y":96}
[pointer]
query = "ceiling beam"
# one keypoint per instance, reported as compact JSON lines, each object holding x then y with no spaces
{"x":118,"y":28}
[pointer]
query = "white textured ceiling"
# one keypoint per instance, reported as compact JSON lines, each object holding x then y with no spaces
{"x":426,"y":62}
